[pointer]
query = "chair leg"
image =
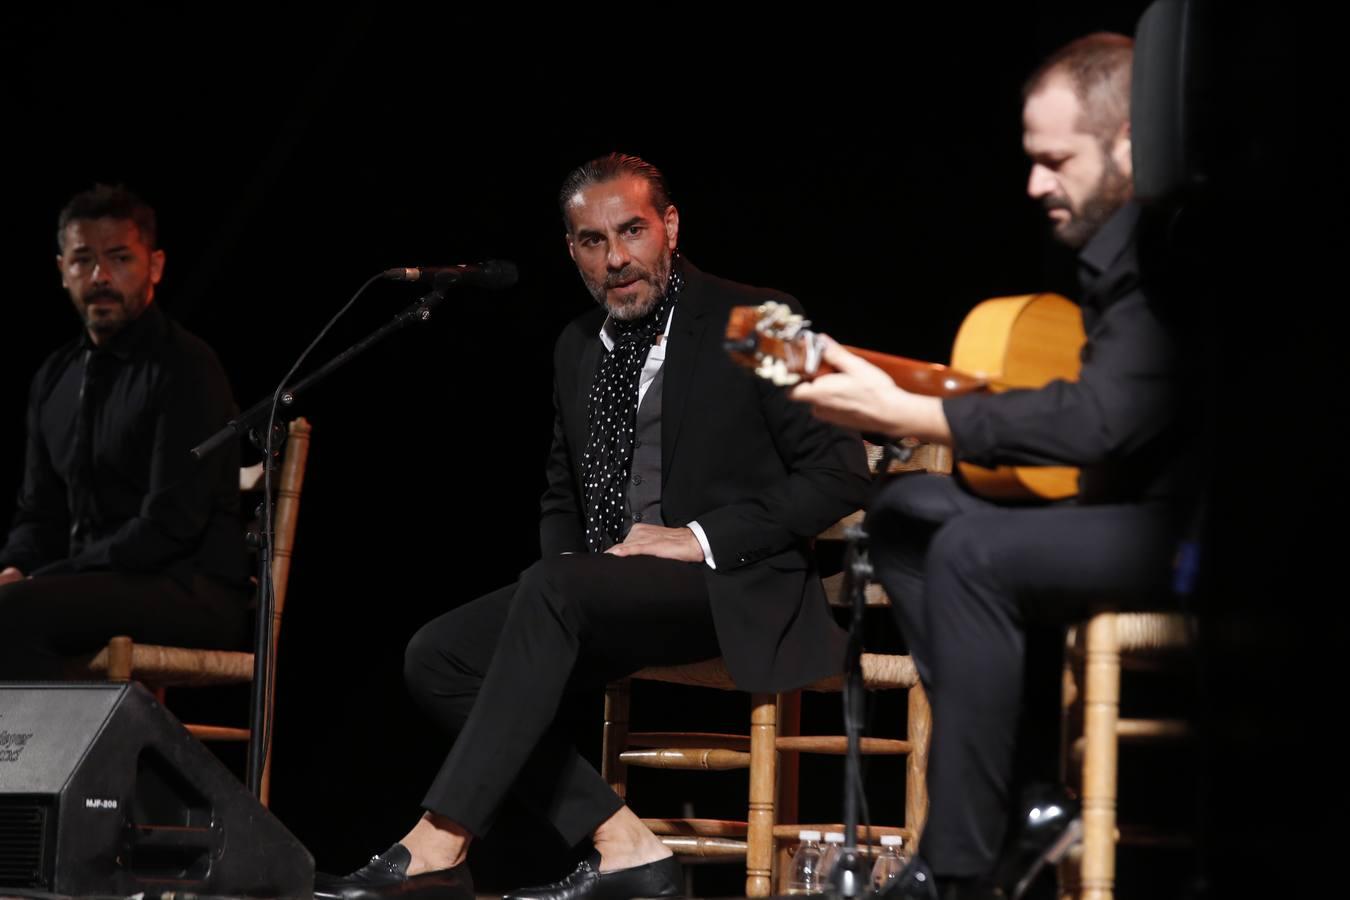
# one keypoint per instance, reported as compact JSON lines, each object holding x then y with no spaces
{"x":1101,"y":711}
{"x":919,"y":729}
{"x":1070,"y":774}
{"x":265,"y":789}
{"x":615,"y":736}
{"x":270,"y":711}
{"x":789,"y":783}
{"x":763,"y":763}
{"x":119,"y":658}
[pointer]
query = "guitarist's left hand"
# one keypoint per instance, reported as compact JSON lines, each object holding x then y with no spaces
{"x":862,"y":397}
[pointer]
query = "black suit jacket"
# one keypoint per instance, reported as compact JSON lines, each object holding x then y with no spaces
{"x":758,"y":473}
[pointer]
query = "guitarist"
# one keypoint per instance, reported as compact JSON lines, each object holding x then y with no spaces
{"x":964,"y":574}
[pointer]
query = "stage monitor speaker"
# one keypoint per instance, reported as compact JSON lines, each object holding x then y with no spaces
{"x":102,"y":791}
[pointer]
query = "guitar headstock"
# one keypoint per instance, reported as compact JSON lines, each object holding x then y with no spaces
{"x":773,"y":341}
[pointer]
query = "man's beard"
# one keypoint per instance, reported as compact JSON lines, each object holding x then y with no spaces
{"x":108,"y":323}
{"x":657,"y":280}
{"x":1112,"y":191}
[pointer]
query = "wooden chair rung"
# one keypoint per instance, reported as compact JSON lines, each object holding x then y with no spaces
{"x":695,"y":850}
{"x":703,"y":758}
{"x":832,"y":745}
{"x":1140,"y":731}
{"x":218,"y":733}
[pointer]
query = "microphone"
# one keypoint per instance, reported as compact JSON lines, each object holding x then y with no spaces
{"x":494,"y":274}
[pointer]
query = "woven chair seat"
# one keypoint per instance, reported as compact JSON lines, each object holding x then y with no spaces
{"x":880,"y":672}
{"x":1143,"y":634}
{"x":181,"y":666}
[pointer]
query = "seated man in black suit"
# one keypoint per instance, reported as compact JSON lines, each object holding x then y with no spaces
{"x":682,"y":495}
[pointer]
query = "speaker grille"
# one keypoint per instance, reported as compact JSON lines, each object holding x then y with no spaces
{"x":23,"y":842}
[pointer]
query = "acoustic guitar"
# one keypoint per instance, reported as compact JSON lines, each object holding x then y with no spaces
{"x":1007,"y":342}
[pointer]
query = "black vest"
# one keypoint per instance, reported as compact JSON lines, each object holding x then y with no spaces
{"x":644,"y":482}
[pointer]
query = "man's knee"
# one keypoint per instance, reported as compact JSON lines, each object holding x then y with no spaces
{"x":960,"y":546}
{"x":899,"y":528}
{"x":544,"y":575}
{"x":546,"y":586}
{"x":420,"y":654}
{"x":432,"y":662}
{"x":918,"y":497}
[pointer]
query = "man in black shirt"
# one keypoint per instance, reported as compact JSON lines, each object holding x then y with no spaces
{"x":965,"y":575}
{"x":117,"y":530}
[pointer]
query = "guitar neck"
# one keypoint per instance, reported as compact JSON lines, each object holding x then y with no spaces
{"x":931,"y":379}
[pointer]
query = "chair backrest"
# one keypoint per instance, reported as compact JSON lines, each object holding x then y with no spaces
{"x":932,"y":458}
{"x":288,"y":483}
{"x":293,"y":465}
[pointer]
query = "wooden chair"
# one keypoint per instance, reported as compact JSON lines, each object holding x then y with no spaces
{"x":160,"y":667}
{"x":771,"y":749}
{"x":1097,"y":651}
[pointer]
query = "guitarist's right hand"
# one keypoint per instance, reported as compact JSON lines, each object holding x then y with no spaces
{"x":863,"y":397}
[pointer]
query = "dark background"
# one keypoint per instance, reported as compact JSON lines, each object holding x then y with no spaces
{"x":871,"y":166}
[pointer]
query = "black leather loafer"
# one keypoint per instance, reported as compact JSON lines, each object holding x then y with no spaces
{"x":663,"y":878}
{"x":386,"y":877}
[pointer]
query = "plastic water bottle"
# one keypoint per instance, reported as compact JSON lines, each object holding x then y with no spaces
{"x":834,"y":842}
{"x":807,"y":875}
{"x":890,"y":863}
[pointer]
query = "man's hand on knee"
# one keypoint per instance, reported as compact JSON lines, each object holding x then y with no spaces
{"x":9,"y":574}
{"x":656,"y":540}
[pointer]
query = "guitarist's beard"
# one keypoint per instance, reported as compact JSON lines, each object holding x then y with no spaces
{"x":653,"y":282}
{"x":1112,"y":191}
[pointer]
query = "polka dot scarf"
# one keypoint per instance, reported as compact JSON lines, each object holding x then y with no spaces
{"x":612,"y":414}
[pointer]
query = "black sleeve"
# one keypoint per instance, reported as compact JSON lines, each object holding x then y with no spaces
{"x":1124,"y":397}
{"x":562,"y":527}
{"x":561,"y":524}
{"x":41,"y":528}
{"x":827,"y":479}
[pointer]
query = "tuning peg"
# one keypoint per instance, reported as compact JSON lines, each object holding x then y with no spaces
{"x":794,"y":325}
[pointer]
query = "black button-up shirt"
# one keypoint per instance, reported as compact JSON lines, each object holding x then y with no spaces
{"x":1118,"y":420}
{"x":112,"y":486}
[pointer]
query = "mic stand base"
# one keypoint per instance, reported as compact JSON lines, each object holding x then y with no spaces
{"x":851,"y":876}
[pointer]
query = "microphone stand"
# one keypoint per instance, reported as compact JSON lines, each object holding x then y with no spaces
{"x":851,"y":875}
{"x":420,"y":311}
{"x":260,"y":720}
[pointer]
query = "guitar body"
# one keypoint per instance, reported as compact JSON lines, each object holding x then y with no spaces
{"x":1021,"y":342}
